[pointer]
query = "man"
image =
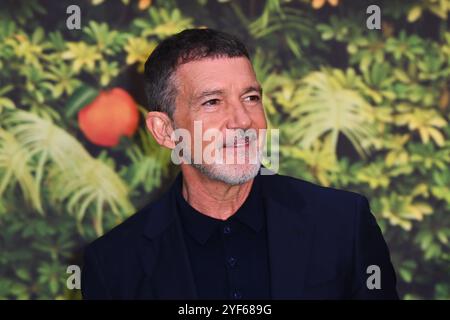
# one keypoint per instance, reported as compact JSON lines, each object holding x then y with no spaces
{"x":223,"y":231}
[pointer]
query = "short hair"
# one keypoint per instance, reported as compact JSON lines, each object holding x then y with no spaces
{"x":183,"y":47}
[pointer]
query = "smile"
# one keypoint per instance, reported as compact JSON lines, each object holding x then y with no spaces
{"x":240,"y":144}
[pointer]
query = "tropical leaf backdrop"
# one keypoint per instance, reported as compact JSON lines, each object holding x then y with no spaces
{"x":358,"y":109}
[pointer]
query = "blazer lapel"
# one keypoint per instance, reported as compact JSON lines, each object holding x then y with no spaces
{"x":165,"y":260}
{"x":289,"y":239}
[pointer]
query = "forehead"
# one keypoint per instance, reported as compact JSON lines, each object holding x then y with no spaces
{"x":215,"y":71}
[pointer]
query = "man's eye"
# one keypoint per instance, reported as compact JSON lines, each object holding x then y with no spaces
{"x":253,"y":98}
{"x":211,"y":102}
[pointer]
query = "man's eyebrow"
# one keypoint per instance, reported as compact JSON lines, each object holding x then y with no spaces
{"x":211,"y":92}
{"x":256,"y":88}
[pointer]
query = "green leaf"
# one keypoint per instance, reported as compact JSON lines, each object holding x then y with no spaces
{"x":414,"y":13}
{"x":295,"y":48}
{"x":328,"y":103}
{"x":406,"y":275}
{"x":80,"y":98}
{"x":23,"y":274}
{"x":7,"y":103}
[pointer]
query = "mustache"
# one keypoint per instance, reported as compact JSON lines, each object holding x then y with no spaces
{"x":239,"y":137}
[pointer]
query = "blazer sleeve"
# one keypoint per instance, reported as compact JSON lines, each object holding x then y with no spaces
{"x":373,"y":273}
{"x":93,"y":285}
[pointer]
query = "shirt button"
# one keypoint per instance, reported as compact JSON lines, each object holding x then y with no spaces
{"x":237,"y":295}
{"x":227,"y":229}
{"x":232,"y":261}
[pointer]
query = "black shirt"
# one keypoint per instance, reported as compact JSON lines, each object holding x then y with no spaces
{"x":229,"y":258}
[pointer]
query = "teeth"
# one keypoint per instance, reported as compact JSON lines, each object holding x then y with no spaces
{"x":240,"y":143}
{"x":237,"y":144}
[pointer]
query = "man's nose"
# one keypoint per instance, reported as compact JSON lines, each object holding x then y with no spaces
{"x":239,"y":117}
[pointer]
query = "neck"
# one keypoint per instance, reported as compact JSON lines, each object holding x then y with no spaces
{"x":212,"y":197}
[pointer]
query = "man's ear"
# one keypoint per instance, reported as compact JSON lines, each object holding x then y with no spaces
{"x":160,"y":126}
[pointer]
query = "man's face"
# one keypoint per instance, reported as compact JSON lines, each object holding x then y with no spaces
{"x":222,"y":94}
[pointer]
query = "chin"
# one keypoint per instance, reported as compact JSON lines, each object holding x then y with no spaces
{"x":232,"y":174}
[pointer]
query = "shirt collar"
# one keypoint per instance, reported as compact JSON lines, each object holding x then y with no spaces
{"x":201,"y":226}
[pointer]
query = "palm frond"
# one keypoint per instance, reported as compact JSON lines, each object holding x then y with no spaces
{"x":15,"y":167}
{"x":85,"y":183}
{"x":95,"y":187}
{"x":326,"y":104}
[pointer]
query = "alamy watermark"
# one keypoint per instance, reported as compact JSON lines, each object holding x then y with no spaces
{"x":74,"y":280}
{"x":374,"y":20}
{"x":374,"y":280}
{"x":232,"y":147}
{"x":73,"y":21}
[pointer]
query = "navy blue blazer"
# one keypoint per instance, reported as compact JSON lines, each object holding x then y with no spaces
{"x":321,"y":242}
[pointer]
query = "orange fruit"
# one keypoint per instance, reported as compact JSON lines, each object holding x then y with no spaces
{"x":111,"y":115}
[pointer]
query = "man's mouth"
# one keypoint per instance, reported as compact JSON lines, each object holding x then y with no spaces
{"x":238,"y":143}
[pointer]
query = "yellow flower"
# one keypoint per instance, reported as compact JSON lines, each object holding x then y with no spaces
{"x":82,"y":55}
{"x":138,"y":50}
{"x":24,"y":47}
{"x":426,"y":122}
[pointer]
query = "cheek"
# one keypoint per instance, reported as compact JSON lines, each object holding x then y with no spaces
{"x":259,"y":119}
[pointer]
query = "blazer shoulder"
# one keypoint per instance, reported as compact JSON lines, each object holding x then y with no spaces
{"x":124,"y":235}
{"x":329,"y":206}
{"x":295,"y":188}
